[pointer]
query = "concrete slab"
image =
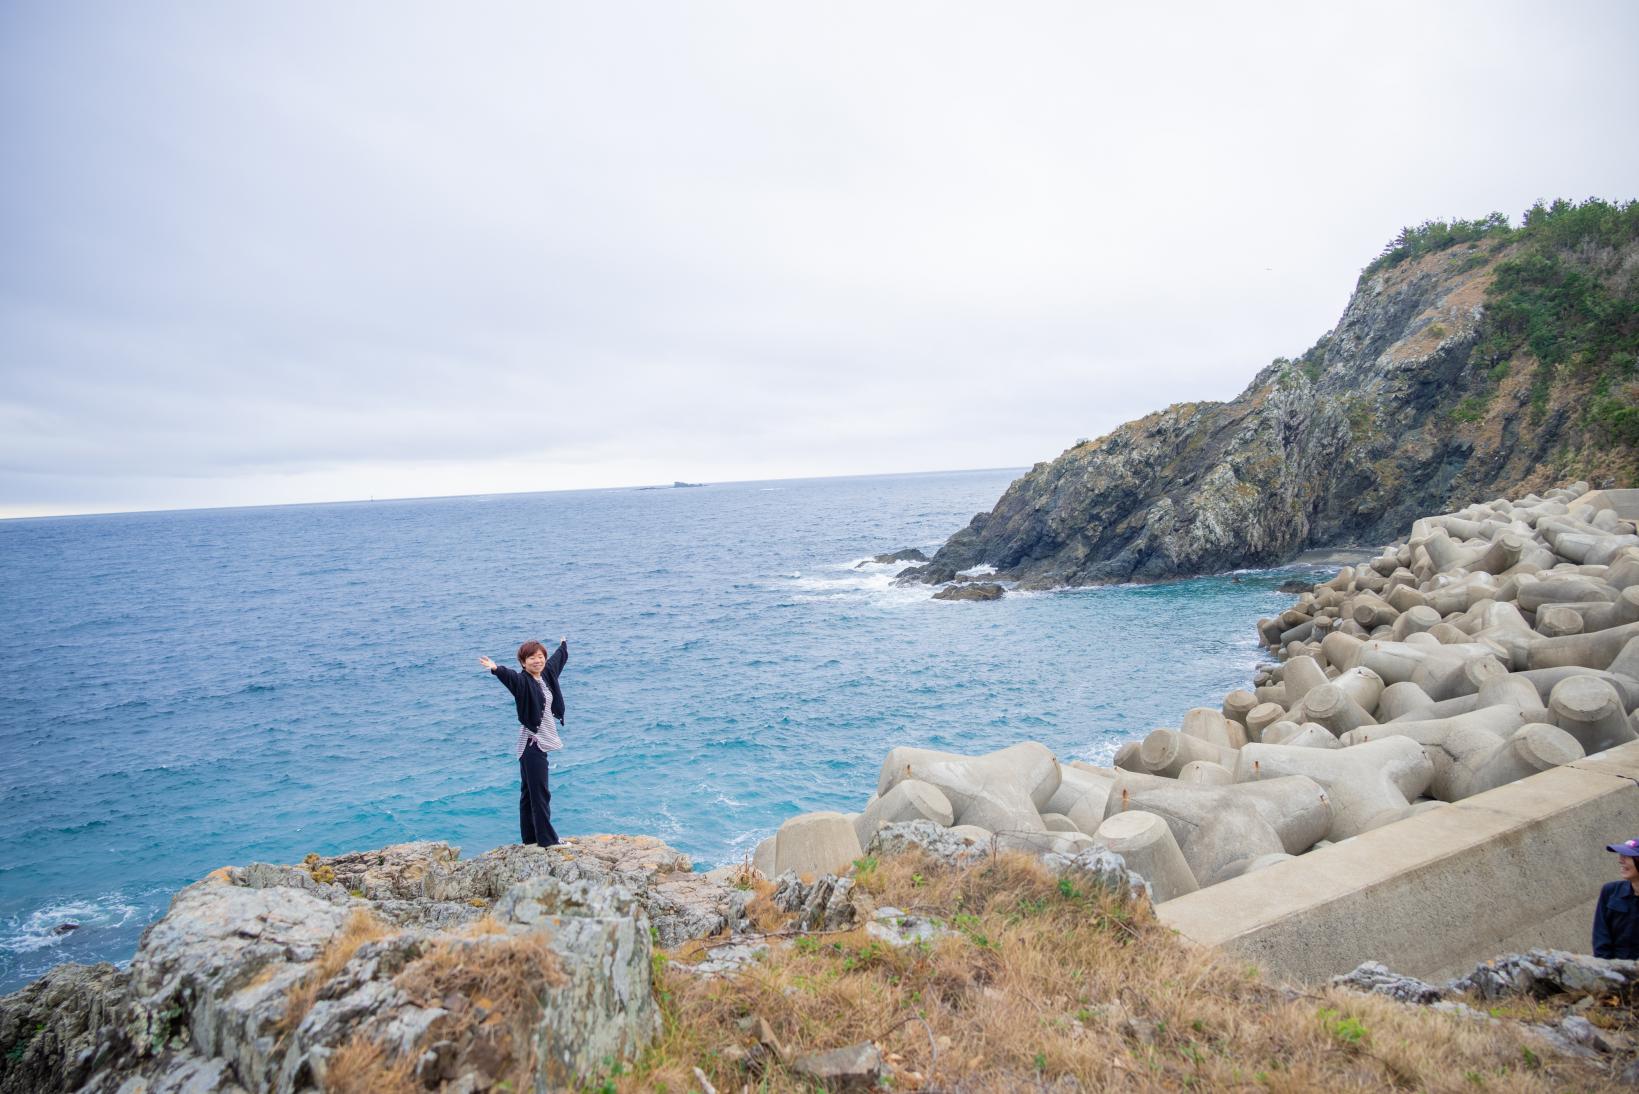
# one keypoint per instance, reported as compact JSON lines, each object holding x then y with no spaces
{"x":1436,"y":893}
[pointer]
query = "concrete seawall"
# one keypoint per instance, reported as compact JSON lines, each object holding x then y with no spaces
{"x":1506,"y":870}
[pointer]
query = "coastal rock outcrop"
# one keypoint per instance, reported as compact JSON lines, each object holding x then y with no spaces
{"x":1443,"y":380}
{"x":525,"y":965}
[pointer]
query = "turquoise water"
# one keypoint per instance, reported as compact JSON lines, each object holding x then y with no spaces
{"x":189,"y":689}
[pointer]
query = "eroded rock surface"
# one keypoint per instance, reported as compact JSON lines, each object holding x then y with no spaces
{"x":1394,"y":413}
{"x":465,"y":973}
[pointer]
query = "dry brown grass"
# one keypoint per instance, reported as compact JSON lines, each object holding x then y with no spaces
{"x":361,"y":1066}
{"x":492,"y":986}
{"x":361,"y":927}
{"x":1044,"y":983}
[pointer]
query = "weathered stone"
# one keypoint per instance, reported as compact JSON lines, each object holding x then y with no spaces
{"x":1375,"y":978}
{"x":1541,"y":973}
{"x":1099,"y":867}
{"x":55,"y":1031}
{"x":827,"y":903}
{"x":977,"y":590}
{"x":855,"y":1067}
{"x":204,"y":1004}
{"x":900,"y":929}
{"x":948,"y":846}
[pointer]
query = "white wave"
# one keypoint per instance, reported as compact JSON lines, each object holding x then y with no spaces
{"x":40,"y":928}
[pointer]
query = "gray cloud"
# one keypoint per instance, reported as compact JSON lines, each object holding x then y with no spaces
{"x":293,"y":252}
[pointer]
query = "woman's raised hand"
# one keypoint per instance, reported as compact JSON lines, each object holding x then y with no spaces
{"x":487,"y":663}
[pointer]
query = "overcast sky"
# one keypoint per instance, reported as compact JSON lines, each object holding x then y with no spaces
{"x":284,"y":252}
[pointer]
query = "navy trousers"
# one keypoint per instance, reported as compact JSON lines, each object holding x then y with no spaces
{"x":535,"y":799}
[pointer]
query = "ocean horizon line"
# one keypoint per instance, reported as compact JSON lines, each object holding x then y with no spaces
{"x":27,"y":517}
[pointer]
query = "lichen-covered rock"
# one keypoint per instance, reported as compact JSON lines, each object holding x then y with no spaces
{"x":57,"y":1031}
{"x":1099,"y":867}
{"x":948,"y":847}
{"x":269,"y":977}
{"x":605,"y":1008}
{"x":1542,"y":973}
{"x":827,"y":903}
{"x":1375,"y":978}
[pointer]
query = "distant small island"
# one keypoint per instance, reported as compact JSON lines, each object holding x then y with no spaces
{"x":678,"y":485}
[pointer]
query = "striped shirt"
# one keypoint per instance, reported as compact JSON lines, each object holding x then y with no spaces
{"x":544,"y":736}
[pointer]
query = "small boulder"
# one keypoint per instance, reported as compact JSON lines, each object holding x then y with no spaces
{"x":1375,"y":978}
{"x":855,"y":1067}
{"x":978,"y":590}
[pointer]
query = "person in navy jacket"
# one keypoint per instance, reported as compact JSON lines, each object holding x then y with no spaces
{"x":539,"y":701}
{"x":1616,"y":916}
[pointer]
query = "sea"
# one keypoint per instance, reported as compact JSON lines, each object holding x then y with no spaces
{"x":184,"y":690}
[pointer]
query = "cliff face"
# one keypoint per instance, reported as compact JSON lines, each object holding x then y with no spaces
{"x":1428,"y":390}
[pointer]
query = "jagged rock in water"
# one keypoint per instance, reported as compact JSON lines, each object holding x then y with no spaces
{"x":1393,"y":414}
{"x":977,"y":590}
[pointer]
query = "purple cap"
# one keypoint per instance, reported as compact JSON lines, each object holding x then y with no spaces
{"x":1629,"y":848}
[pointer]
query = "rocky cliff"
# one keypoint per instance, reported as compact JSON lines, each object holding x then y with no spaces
{"x":1473,"y":360}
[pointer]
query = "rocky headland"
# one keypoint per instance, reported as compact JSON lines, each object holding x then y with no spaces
{"x":1473,"y":360}
{"x":983,"y":922}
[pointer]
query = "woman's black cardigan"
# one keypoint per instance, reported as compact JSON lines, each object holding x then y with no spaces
{"x":527,"y":695}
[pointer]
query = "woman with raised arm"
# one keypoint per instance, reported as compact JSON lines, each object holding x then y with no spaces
{"x":540,"y":711}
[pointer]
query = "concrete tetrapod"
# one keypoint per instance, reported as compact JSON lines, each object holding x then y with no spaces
{"x":1166,"y":751}
{"x":1219,"y":825}
{"x":1238,"y":704}
{"x":1480,"y":762}
{"x":1264,"y":714}
{"x":1594,"y":650}
{"x":1331,"y":706}
{"x":1309,"y":735}
{"x":1146,"y":843}
{"x":816,"y":843}
{"x":1081,"y":796}
{"x":1590,"y":710}
{"x":1500,"y":721}
{"x":1362,"y":685}
{"x":1002,"y":791}
{"x":1302,"y":675}
{"x":1206,"y":773}
{"x":1211,"y":725}
{"x":910,"y":800}
{"x":1403,"y":700}
{"x":1370,"y":785}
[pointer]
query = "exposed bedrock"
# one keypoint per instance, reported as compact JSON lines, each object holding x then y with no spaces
{"x":1393,"y":414}
{"x":258,"y":976}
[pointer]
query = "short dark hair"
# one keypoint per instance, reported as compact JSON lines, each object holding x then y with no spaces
{"x":530,"y":649}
